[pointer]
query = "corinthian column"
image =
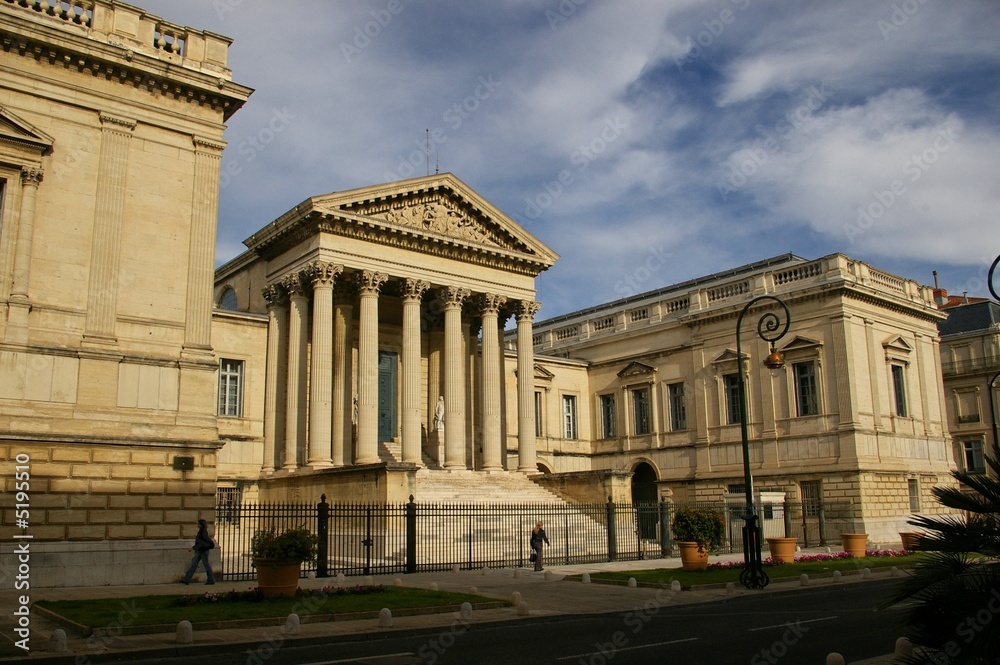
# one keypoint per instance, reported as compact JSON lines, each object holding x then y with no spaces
{"x":109,"y":217}
{"x":454,"y":378}
{"x":298,"y":337}
{"x":526,"y":462}
{"x":343,"y":391}
{"x":369,"y":283}
{"x":489,"y":307}
{"x":322,"y":275}
{"x":413,"y":291}
{"x":201,"y":251}
{"x":276,"y":368}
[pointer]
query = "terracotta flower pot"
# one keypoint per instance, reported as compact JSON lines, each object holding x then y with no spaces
{"x":277,"y":577}
{"x":693,"y":558}
{"x":911,"y":539}
{"x":855,"y":544}
{"x":782,"y":549}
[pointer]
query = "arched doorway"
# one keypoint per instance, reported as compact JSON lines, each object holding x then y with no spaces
{"x":644,"y":498}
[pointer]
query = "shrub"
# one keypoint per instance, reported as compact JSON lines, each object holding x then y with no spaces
{"x":699,"y":525}
{"x":289,"y":545}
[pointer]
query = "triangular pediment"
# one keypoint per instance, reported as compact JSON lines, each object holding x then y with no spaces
{"x":636,"y":368}
{"x":542,"y":374}
{"x":16,"y":130}
{"x":729,"y":355}
{"x":897,"y":344}
{"x":801,"y":344}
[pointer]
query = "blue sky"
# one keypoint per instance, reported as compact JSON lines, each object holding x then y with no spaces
{"x":646,"y":141}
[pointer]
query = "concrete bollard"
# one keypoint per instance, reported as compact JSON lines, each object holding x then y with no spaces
{"x":397,"y":582}
{"x":369,"y":580}
{"x":456,"y":568}
{"x":904,"y":648}
{"x":730,"y":588}
{"x":466,"y":611}
{"x":585,"y":578}
{"x":57,"y":640}
{"x":834,"y":659}
{"x":549,"y":576}
{"x":804,"y":579}
{"x":473,"y":590}
{"x":517,"y":573}
{"x":632,"y":583}
{"x":434,"y":586}
{"x":675,"y":585}
{"x":385,"y":618}
{"x":185,"y":633}
{"x":836,"y":576}
{"x":486,"y":570}
{"x":292,"y":624}
{"x":515,"y":598}
{"x":866,"y":573}
{"x":311,"y":575}
{"x":522,"y":609}
{"x":828,"y":550}
{"x":894,"y":572}
{"x":341,"y":580}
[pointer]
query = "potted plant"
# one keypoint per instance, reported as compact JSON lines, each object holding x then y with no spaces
{"x":782,"y":549}
{"x":697,"y":531}
{"x":278,"y":556}
{"x":855,"y":544}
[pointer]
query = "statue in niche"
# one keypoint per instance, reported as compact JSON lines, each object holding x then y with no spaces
{"x":439,"y":415}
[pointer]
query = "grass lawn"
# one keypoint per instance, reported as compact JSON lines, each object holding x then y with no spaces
{"x":719,"y":575}
{"x":150,"y":610}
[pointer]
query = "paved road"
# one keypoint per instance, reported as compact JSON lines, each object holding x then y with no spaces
{"x":787,"y":627}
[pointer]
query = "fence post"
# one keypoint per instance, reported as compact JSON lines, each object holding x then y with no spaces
{"x":411,"y":536}
{"x":612,"y":536}
{"x":786,"y":507}
{"x":322,"y":529}
{"x":664,"y":527}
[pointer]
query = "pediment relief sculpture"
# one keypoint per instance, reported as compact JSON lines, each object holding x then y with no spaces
{"x":636,"y":369}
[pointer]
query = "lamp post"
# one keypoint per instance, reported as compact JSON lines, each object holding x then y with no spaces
{"x":770,"y":329}
{"x":989,"y":386}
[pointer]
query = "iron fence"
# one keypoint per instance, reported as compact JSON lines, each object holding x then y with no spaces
{"x":371,"y":539}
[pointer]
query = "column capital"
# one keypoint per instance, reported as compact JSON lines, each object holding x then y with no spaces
{"x":322,"y":273}
{"x":117,"y":123}
{"x":293,"y":284}
{"x":274,"y":295}
{"x":526,"y":309}
{"x":369,"y":281}
{"x":31,"y":175}
{"x":453,"y":296}
{"x":413,"y":289}
{"x":490,"y":303}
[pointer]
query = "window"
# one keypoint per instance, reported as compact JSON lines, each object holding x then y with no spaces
{"x":230,"y":388}
{"x":899,"y":389}
{"x":640,"y":405}
{"x":806,"y":393}
{"x":731,"y":387}
{"x":228,"y":300}
{"x":967,"y":406}
{"x":538,"y":413}
{"x":678,"y":414}
{"x":569,"y":416}
{"x":913,"y":489}
{"x":812,"y":497}
{"x":972,"y":450}
{"x":608,"y":425}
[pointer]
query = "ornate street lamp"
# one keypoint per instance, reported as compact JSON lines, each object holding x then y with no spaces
{"x":990,"y":385}
{"x":770,"y":329}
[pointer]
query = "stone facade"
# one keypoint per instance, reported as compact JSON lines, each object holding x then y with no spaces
{"x":857,"y":413}
{"x":110,"y":143}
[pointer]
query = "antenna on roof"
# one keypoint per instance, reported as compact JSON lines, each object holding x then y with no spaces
{"x":935,"y":279}
{"x":437,"y":162}
{"x":427,"y":149}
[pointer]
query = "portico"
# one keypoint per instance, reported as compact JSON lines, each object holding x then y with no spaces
{"x":381,"y":301}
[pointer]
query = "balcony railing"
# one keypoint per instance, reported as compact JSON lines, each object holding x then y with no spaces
{"x":970,"y":366}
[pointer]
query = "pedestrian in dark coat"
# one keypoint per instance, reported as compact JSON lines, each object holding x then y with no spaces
{"x":537,"y":538}
{"x":203,"y":544}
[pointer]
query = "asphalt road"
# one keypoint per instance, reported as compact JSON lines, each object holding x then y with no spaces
{"x":795,"y":627}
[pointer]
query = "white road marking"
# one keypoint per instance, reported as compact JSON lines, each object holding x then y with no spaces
{"x":643,"y":646}
{"x":789,"y":623}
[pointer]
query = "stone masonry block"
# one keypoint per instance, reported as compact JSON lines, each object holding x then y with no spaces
{"x":86,"y":533}
{"x":48,"y":500}
{"x":50,"y":470}
{"x":129,"y":472}
{"x":165,"y":473}
{"x":109,"y":486}
{"x":126,"y":531}
{"x":66,"y":516}
{"x":107,"y":516}
{"x":48,"y":532}
{"x":149,"y":457}
{"x":128,"y":501}
{"x":112,"y":456}
{"x":70,"y":455}
{"x":163,"y":531}
{"x":200,"y":502}
{"x":88,"y":501}
{"x":180,"y":516}
{"x":146,"y":487}
{"x":183,"y":488}
{"x":144,"y":517}
{"x":165,"y":502}
{"x":90,"y":471}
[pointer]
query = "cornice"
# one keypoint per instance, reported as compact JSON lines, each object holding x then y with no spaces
{"x":62,"y":48}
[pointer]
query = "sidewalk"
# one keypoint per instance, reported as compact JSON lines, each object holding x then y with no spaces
{"x":546,"y":595}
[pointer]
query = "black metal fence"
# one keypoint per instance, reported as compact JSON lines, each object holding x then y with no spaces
{"x":370,"y":539}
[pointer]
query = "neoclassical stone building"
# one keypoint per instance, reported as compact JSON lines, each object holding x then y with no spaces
{"x":385,"y":308}
{"x":111,"y":124}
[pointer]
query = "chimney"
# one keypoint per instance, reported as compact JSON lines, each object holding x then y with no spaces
{"x":940,"y":295}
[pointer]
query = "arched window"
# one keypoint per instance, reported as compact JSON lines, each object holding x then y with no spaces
{"x":228,"y":300}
